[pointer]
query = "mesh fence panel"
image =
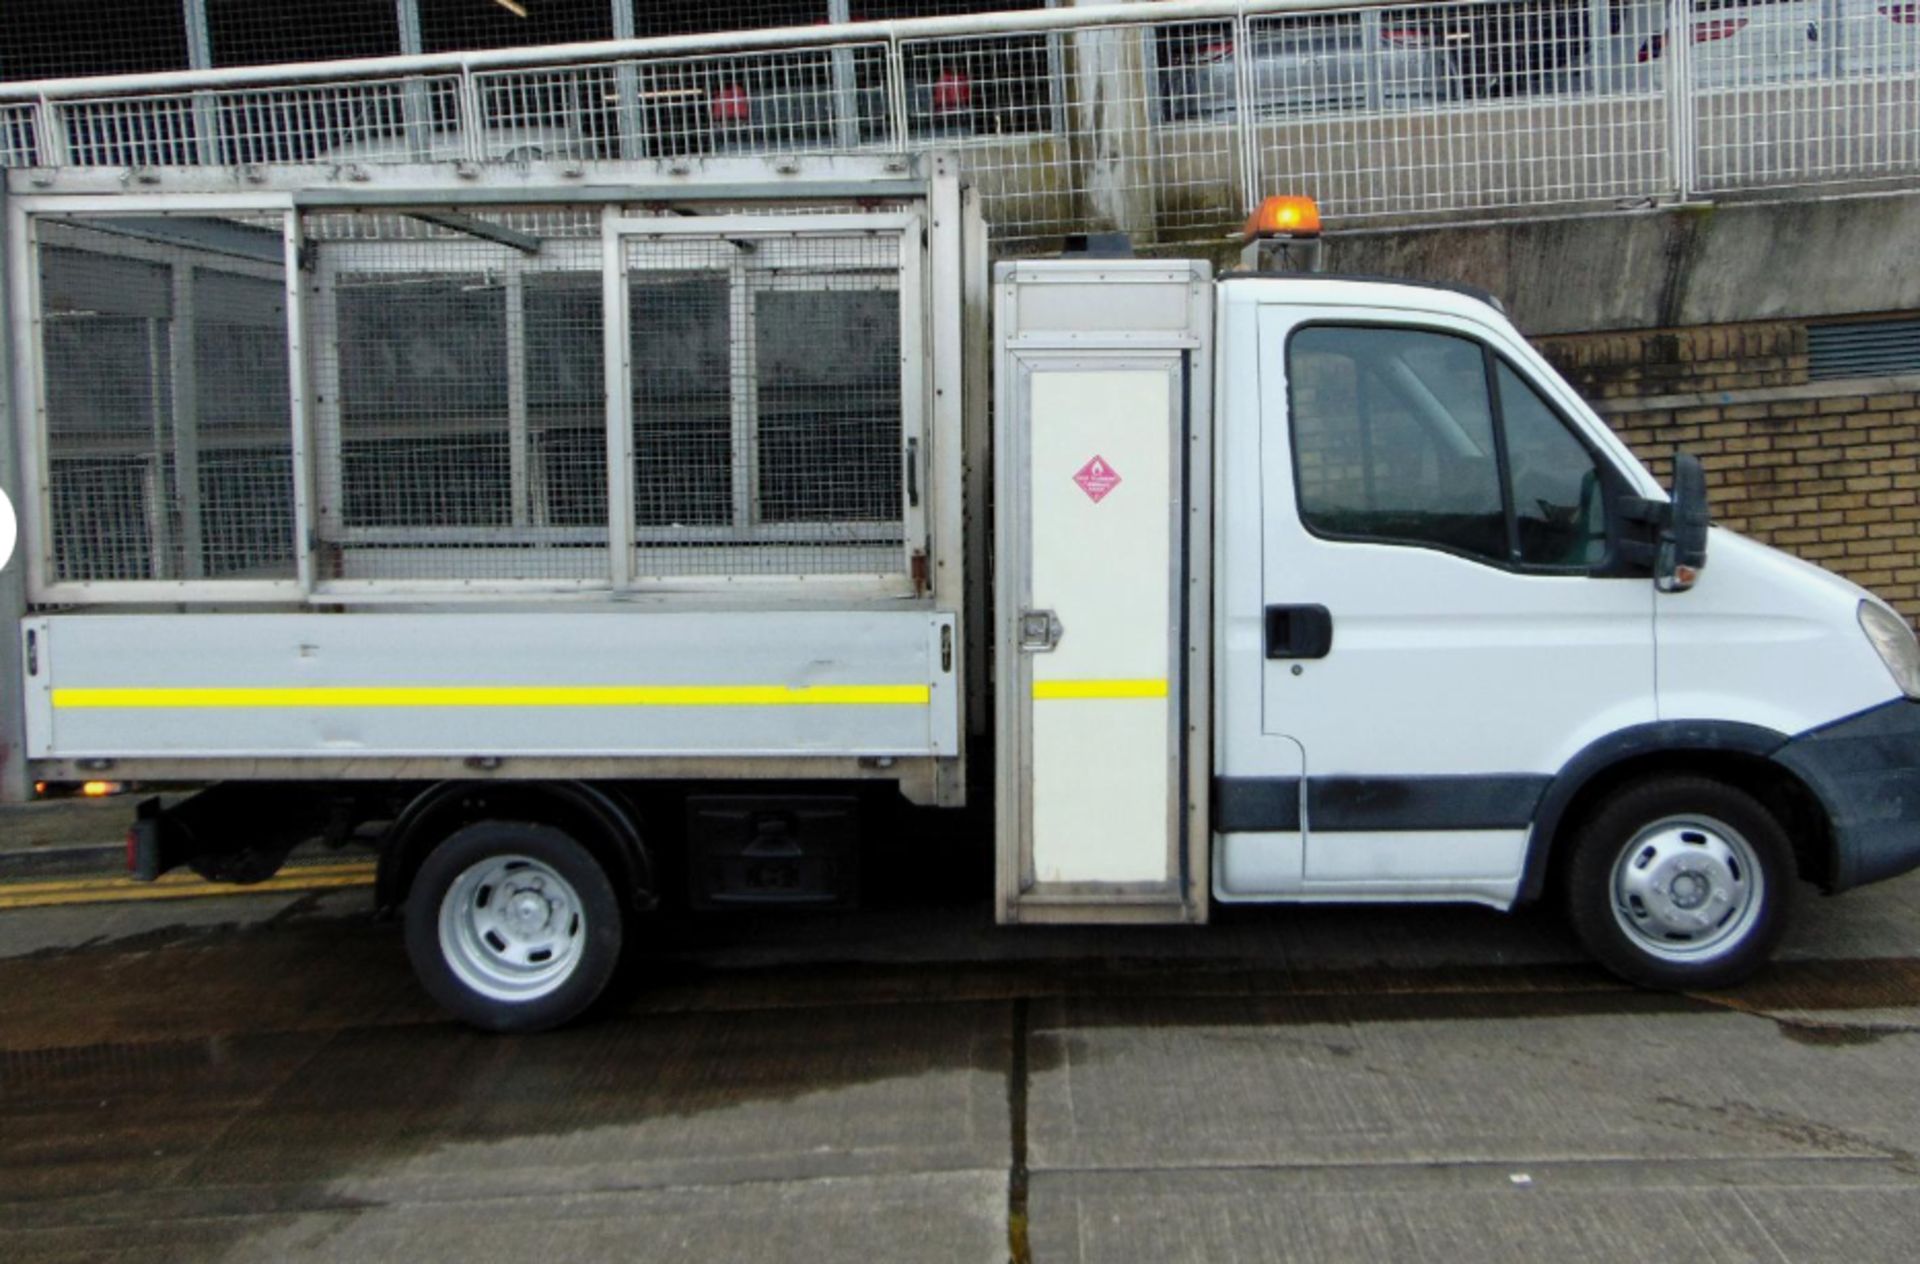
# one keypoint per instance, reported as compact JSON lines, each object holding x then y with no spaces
{"x":1167,"y":130}
{"x":19,"y":136}
{"x":361,"y":121}
{"x":1435,"y":109}
{"x":781,"y":102}
{"x":164,"y":364}
{"x":766,"y":406}
{"x":1802,"y":92}
{"x":459,"y":409}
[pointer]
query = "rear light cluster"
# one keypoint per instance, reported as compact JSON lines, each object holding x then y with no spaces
{"x":731,"y":104}
{"x":952,"y":92}
{"x":1705,"y":31}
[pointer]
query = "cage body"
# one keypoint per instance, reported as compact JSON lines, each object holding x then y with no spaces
{"x":610,"y":470}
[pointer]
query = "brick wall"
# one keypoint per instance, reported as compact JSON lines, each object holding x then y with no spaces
{"x":1827,"y":470}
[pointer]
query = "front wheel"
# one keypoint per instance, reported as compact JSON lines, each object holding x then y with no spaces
{"x":1681,"y":882}
{"x":513,"y":926}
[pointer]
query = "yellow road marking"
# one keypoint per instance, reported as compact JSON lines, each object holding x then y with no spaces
{"x":178,"y":886}
{"x":495,"y":696}
{"x":1055,"y":690}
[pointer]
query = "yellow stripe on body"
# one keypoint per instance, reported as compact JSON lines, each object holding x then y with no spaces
{"x":1061,"y":690}
{"x":493,"y":696}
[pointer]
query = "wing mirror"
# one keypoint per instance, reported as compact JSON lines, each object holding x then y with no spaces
{"x":1683,"y":537}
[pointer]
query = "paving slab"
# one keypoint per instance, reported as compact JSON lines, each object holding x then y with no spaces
{"x":1628,"y":1211}
{"x":1450,"y":1078}
{"x":922,"y":1218}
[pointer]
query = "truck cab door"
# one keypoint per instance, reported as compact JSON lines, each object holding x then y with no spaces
{"x":1445,"y":616}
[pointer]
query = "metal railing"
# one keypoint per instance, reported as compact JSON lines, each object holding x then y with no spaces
{"x":1165,"y":120}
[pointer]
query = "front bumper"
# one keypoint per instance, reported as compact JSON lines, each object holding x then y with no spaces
{"x":1866,"y":772}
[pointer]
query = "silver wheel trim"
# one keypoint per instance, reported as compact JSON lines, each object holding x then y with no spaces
{"x":512,"y":929}
{"x":1687,"y":888}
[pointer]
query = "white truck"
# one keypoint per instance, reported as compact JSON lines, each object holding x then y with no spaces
{"x":599,"y":535}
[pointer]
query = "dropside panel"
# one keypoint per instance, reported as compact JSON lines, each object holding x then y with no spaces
{"x":758,"y":683}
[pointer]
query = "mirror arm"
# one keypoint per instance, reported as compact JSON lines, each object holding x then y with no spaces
{"x":1643,"y":511}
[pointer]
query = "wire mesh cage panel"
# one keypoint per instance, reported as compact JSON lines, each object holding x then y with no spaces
{"x":459,"y":398}
{"x":766,"y":389}
{"x":1802,"y":91}
{"x":168,"y":441}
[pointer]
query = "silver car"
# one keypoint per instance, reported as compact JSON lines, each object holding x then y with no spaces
{"x":1312,"y":63}
{"x":1736,"y":42}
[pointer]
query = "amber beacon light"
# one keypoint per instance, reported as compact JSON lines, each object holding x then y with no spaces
{"x":1283,"y":235}
{"x":1288,"y":216}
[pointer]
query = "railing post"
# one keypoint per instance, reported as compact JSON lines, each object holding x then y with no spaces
{"x":897,"y":94}
{"x":472,"y":121}
{"x":846,"y":92}
{"x":51,"y":123}
{"x":416,"y":111}
{"x":1246,"y":133}
{"x":1371,"y":45}
{"x":206,"y":114}
{"x":626,"y":89}
{"x":1682,"y":143}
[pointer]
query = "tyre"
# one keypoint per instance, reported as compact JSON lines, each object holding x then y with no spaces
{"x":513,"y":926}
{"x":1680,"y":882}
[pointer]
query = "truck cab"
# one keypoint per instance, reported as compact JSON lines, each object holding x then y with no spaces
{"x":1461,"y":647}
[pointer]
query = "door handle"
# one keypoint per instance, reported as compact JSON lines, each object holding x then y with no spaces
{"x":1039,"y":631}
{"x":1299,"y":631}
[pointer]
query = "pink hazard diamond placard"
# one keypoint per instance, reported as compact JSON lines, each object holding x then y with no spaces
{"x":1097,"y":478}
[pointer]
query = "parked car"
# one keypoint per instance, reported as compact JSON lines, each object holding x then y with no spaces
{"x":1300,"y":64}
{"x":1504,"y":49}
{"x":1738,"y":42}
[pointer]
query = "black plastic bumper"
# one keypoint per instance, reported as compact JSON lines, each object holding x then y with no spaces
{"x":1866,"y":771}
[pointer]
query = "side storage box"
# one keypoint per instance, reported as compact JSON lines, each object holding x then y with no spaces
{"x":758,"y":850}
{"x":1102,"y":480}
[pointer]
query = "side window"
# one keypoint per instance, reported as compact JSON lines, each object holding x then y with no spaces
{"x":1559,"y":504}
{"x":1393,"y":438}
{"x":1395,"y":442}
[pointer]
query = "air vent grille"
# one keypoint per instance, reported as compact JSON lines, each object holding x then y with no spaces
{"x":1863,"y":348}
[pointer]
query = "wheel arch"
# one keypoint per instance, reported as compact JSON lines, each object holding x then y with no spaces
{"x":599,"y":818}
{"x":1735,"y":753}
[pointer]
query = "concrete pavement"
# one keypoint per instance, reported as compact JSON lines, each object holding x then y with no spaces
{"x":259,"y":1078}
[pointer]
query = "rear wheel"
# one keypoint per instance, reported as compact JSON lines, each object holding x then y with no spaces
{"x":1681,"y":882}
{"x":513,"y":926}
